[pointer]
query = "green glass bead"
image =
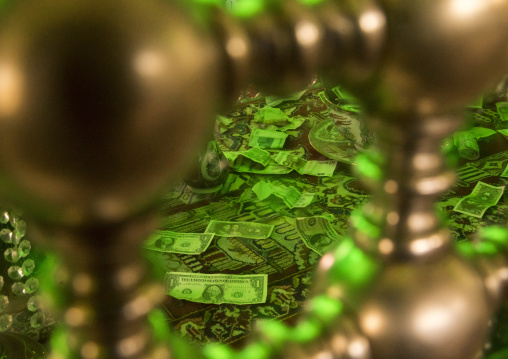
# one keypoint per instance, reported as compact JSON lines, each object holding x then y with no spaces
{"x":13,"y":220}
{"x":31,"y":285}
{"x":4,"y":217}
{"x":363,"y":225}
{"x":4,"y":301}
{"x":28,"y":267}
{"x":6,"y":236}
{"x":15,"y":272}
{"x":248,"y":8}
{"x":306,"y":331}
{"x":34,"y":303}
{"x":325,"y":308}
{"x":37,"y":319}
{"x":11,"y":255}
{"x":20,"y":228}
{"x":367,"y":166}
{"x":311,"y":2}
{"x":218,"y":351}
{"x":218,"y":3}
{"x":24,"y":248}
{"x":352,"y":266}
{"x":256,"y":350}
{"x":498,"y":235}
{"x":466,"y":249}
{"x":18,"y":288}
{"x":274,"y":331}
{"x":5,"y":321}
{"x":487,"y":248}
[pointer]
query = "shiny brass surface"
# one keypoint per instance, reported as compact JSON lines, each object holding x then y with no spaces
{"x":437,"y":309}
{"x":95,"y":111}
{"x":96,"y":118}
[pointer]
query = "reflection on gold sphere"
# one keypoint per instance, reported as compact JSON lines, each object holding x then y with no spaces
{"x":101,"y":103}
{"x":426,"y":310}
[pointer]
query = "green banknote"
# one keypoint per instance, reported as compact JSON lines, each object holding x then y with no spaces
{"x":275,"y":101}
{"x":271,"y":116}
{"x":317,"y":233}
{"x":184,"y":243}
{"x":267,"y":139}
{"x":237,"y":158}
{"x":217,"y":288}
{"x":467,"y":145}
{"x":505,"y":172}
{"x":304,"y":167}
{"x":250,"y":230}
{"x":289,"y":194}
{"x":482,"y":197}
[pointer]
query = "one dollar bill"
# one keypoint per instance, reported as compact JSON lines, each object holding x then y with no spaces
{"x":482,"y":197}
{"x":289,"y":194}
{"x":184,"y":243}
{"x":217,"y":288}
{"x":304,"y":167}
{"x":267,"y":139}
{"x":317,"y":233}
{"x":250,"y":230}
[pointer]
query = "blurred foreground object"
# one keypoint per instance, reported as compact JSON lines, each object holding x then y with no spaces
{"x":89,"y":139}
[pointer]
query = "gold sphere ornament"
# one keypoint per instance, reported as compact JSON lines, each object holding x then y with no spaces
{"x":100,"y":104}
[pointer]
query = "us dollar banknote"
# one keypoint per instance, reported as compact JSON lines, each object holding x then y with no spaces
{"x":267,"y":139}
{"x":483,"y":196}
{"x":184,"y":243}
{"x":317,"y":233}
{"x":217,"y":288}
{"x":304,"y":167}
{"x":250,"y":230}
{"x":289,"y":194}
